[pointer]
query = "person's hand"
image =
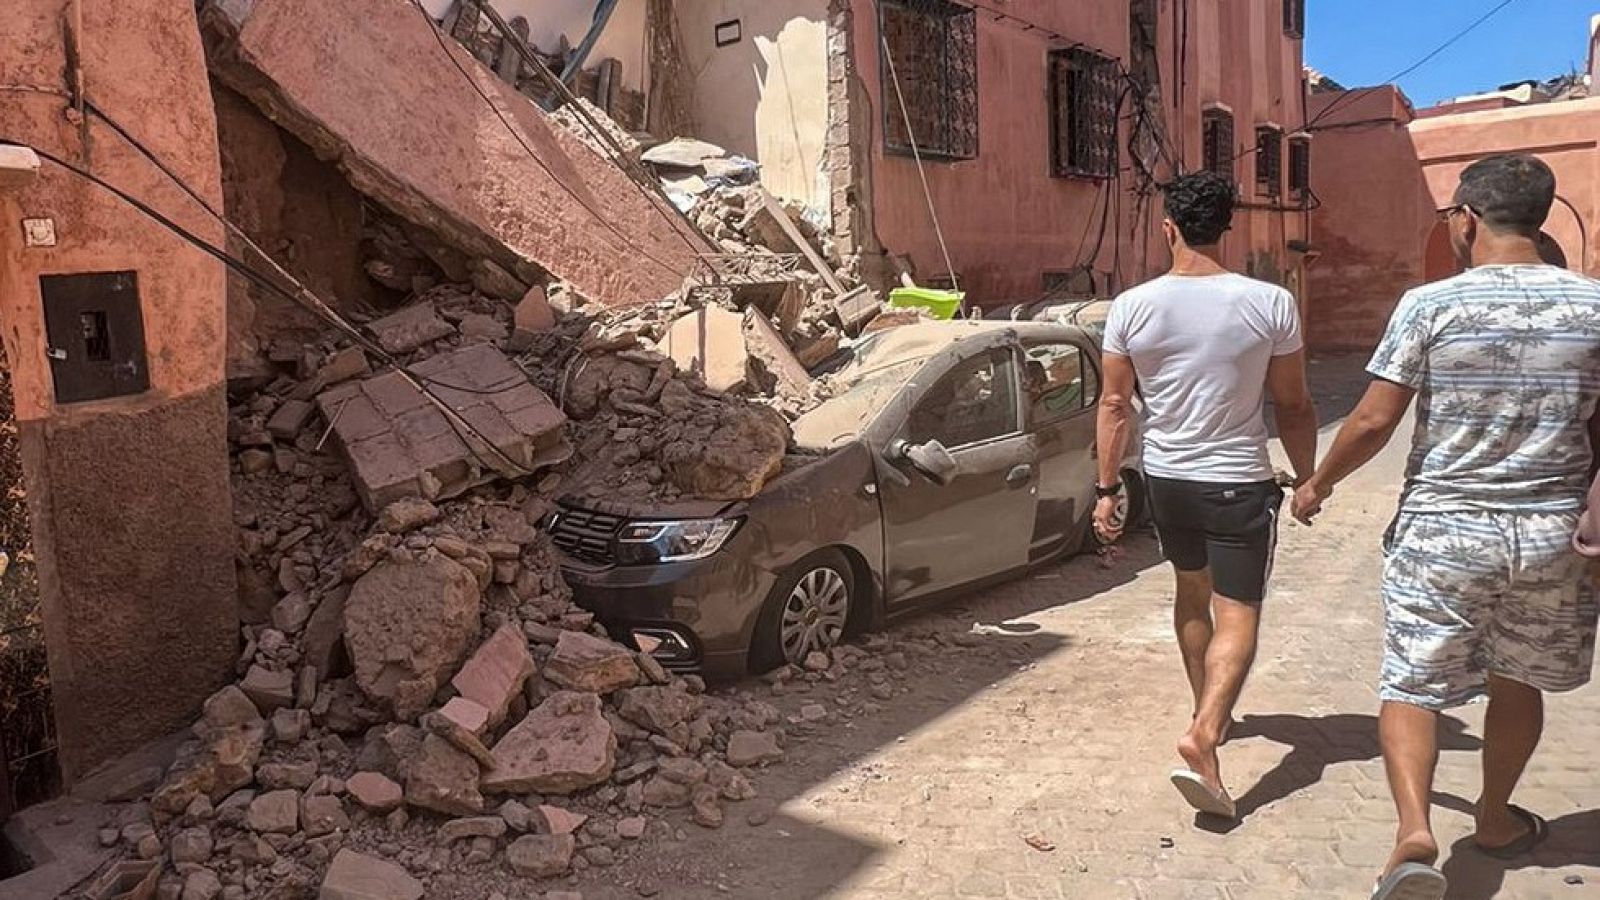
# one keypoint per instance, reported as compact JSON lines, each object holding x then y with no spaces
{"x":1106,"y":523}
{"x":1308,"y":500}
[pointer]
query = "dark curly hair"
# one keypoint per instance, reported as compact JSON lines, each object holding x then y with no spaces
{"x":1511,"y":193}
{"x":1201,"y":205}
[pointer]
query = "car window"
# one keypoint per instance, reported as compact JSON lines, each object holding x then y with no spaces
{"x":975,"y":401}
{"x":1060,"y":380}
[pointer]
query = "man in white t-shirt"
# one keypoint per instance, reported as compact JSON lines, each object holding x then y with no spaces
{"x":1206,"y":347}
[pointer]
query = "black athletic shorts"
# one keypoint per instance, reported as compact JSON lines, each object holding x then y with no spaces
{"x":1231,"y":528}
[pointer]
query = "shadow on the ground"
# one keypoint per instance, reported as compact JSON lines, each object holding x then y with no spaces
{"x":1574,"y":841}
{"x":983,"y":639}
{"x":1315,"y":743}
{"x":980,"y":643}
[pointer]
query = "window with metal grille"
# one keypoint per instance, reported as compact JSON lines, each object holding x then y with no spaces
{"x":1216,"y":127}
{"x":1300,"y":167}
{"x":932,"y":61}
{"x":1083,"y":114}
{"x":1294,"y":18}
{"x":1269,"y":160}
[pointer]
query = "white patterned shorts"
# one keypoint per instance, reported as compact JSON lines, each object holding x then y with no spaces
{"x":1473,"y":593}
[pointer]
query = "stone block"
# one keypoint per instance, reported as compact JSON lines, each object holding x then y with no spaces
{"x":494,"y":674}
{"x":356,"y":876}
{"x":400,"y":444}
{"x":410,"y":328}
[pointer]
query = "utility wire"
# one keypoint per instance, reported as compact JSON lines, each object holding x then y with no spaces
{"x":916,"y":153}
{"x":301,"y":297}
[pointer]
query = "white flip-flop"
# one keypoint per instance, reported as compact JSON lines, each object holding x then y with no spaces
{"x":1200,"y":795}
{"x":1412,"y":881}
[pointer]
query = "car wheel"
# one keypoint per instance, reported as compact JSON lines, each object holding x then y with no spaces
{"x":1133,"y":504}
{"x":808,"y":610}
{"x":1137,"y":512}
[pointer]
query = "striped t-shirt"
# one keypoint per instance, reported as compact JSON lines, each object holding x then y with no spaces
{"x":1506,"y":363}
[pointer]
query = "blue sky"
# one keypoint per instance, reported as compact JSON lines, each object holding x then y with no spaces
{"x":1363,"y":42}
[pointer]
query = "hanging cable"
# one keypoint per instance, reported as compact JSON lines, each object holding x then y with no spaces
{"x":304,"y":298}
{"x":916,"y":154}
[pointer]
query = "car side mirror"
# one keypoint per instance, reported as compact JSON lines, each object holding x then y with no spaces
{"x":931,"y":459}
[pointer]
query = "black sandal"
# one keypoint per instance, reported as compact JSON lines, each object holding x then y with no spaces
{"x":1538,"y":830}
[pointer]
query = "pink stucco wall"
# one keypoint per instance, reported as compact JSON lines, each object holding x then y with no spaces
{"x":1007,"y":220}
{"x":1381,"y":174}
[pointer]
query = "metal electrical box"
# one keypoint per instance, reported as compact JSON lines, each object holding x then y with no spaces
{"x":95,"y":329}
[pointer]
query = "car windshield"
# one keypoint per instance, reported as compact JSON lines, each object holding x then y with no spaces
{"x":880,"y":367}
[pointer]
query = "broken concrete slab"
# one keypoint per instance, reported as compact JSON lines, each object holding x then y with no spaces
{"x":401,"y":444}
{"x":410,"y":328}
{"x":441,"y":778}
{"x":495,"y":672}
{"x":710,"y":342}
{"x":377,"y":94}
{"x":408,"y":625}
{"x":292,"y":416}
{"x":682,"y":153}
{"x":356,"y":876}
{"x":563,"y":745}
{"x":584,"y":662}
{"x":767,"y":348}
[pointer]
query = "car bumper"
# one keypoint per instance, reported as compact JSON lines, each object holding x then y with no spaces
{"x":701,"y":612}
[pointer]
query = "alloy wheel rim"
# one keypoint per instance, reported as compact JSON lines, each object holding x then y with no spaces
{"x":814,"y":614}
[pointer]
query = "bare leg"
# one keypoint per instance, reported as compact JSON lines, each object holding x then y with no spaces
{"x":1410,"y":739}
{"x":1191,"y":619}
{"x":1228,"y":659}
{"x":1512,"y":727}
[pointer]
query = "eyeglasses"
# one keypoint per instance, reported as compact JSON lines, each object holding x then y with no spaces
{"x":1448,"y":211}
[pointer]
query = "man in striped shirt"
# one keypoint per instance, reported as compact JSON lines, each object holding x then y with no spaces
{"x":1483,"y":594}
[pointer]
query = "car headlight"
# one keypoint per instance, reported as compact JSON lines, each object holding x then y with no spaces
{"x":677,"y":541}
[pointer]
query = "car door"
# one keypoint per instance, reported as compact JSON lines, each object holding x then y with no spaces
{"x":1061,"y":390}
{"x":976,"y":525}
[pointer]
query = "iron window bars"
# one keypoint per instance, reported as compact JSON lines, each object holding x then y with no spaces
{"x":1083,"y":114}
{"x":1269,"y":160}
{"x":934,"y":47}
{"x":1300,"y":168}
{"x":1216,"y":131}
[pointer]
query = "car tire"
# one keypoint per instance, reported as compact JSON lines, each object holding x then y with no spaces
{"x":1137,"y":512}
{"x":811,"y":607}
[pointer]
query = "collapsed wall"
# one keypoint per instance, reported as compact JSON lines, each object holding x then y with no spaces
{"x":420,"y":126}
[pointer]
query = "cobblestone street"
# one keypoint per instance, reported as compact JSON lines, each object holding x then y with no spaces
{"x":1037,"y":768}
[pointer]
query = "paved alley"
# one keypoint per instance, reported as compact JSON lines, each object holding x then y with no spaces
{"x":1037,"y":768}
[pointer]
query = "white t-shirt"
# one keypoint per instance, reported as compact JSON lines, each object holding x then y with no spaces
{"x":1201,"y":346}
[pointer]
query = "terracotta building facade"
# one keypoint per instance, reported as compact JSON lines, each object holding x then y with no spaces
{"x":1042,"y":128}
{"x":1383,"y":172}
{"x":114,"y":330}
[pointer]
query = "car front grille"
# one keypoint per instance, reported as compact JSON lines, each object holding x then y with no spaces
{"x":585,"y":534}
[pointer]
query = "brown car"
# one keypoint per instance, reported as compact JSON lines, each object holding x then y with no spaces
{"x":952,"y":455}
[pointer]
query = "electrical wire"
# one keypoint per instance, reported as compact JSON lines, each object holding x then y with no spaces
{"x":516,"y":134}
{"x":647,"y":184}
{"x":916,"y":153}
{"x":316,"y":306}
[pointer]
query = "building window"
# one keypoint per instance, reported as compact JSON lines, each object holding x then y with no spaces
{"x":933,"y":58}
{"x":1216,"y":130}
{"x":1294,"y":18}
{"x":1269,"y":160}
{"x":1300,"y":168}
{"x":1083,"y":114}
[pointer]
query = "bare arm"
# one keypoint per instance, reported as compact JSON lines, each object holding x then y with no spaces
{"x":1365,"y":433}
{"x":1112,"y":426}
{"x":1295,"y":413}
{"x":1115,"y":415}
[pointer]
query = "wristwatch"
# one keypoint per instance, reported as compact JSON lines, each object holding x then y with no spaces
{"x":1111,"y":491}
